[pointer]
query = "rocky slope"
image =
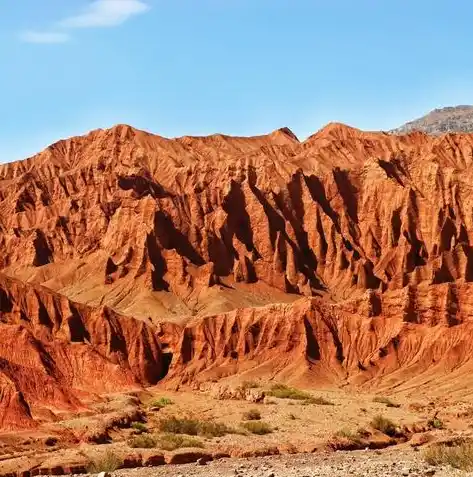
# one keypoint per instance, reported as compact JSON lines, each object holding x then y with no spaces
{"x":128,"y":258}
{"x":452,"y":119}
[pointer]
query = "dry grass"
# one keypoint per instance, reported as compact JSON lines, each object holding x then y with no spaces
{"x":319,"y":400}
{"x":252,"y":415}
{"x":384,"y":425}
{"x":107,"y":462}
{"x":171,"y":442}
{"x":348,"y":434}
{"x":458,"y":454}
{"x":386,"y":401}
{"x":249,"y":385}
{"x":143,"y":441}
{"x":194,"y":427}
{"x":257,"y":427}
{"x":345,"y":439}
{"x":282,"y":391}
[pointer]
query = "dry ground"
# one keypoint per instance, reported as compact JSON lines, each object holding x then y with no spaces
{"x":331,"y":420}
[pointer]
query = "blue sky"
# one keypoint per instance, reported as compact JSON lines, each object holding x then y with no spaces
{"x":244,"y":67}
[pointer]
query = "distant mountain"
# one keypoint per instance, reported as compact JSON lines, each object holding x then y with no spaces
{"x":440,"y":121}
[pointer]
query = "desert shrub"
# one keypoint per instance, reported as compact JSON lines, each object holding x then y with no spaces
{"x":257,"y":427}
{"x":292,"y":417}
{"x":107,"y":462}
{"x":175,"y":425}
{"x":171,"y":442}
{"x":194,"y":427}
{"x":458,"y":455}
{"x":213,"y":429}
{"x":345,"y":439}
{"x":139,"y":427}
{"x":249,"y":385}
{"x":143,"y":441}
{"x":161,"y":402}
{"x":384,"y":425}
{"x":252,"y":415}
{"x":385,"y":400}
{"x":347,"y":434}
{"x":282,"y":391}
{"x":320,"y":401}
{"x":436,"y":423}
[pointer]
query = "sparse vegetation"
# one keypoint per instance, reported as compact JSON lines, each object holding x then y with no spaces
{"x":171,"y":442}
{"x":143,"y":441}
{"x":161,"y":402}
{"x":292,"y":417}
{"x":348,"y":435}
{"x":436,"y":423}
{"x":386,"y":401}
{"x":175,"y":425}
{"x":282,"y":391}
{"x":213,"y":429}
{"x":257,"y":427}
{"x":320,"y":401}
{"x":384,"y":425}
{"x":456,"y":454}
{"x":252,"y":415}
{"x":107,"y":462}
{"x":139,"y":427}
{"x":194,"y":427}
{"x":249,"y":385}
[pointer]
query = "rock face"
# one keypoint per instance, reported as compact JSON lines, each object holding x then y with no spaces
{"x":127,"y":258}
{"x":452,"y":119}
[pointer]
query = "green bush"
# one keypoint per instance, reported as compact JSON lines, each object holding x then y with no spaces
{"x":139,"y":427}
{"x":107,"y":462}
{"x":171,"y":442}
{"x":384,"y":425}
{"x":458,"y":455}
{"x":161,"y":402}
{"x":143,"y":441}
{"x":257,"y":427}
{"x":252,"y":415}
{"x":436,"y":423}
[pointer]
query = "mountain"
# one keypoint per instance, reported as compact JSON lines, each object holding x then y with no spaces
{"x":456,"y":119}
{"x":128,"y":259}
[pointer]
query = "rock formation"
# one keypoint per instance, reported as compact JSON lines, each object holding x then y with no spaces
{"x":127,"y":258}
{"x":452,"y":119}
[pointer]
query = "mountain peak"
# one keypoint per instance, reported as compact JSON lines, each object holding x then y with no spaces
{"x":449,"y":119}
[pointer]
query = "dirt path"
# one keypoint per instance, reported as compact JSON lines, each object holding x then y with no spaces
{"x":392,"y":463}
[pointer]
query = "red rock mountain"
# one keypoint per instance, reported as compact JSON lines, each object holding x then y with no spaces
{"x":128,"y":259}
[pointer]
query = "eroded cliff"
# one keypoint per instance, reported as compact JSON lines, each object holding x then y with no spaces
{"x":128,"y":249}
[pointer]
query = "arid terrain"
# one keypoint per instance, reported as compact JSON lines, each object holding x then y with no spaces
{"x":154,"y":291}
{"x":452,"y":119}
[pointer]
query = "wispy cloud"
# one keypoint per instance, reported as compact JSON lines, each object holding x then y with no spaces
{"x":44,"y":37}
{"x":105,"y":13}
{"x":99,"y":14}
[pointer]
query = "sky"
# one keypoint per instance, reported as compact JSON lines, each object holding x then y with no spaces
{"x":240,"y":67}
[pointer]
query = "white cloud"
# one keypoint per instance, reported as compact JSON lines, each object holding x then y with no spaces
{"x":30,"y":36}
{"x":105,"y":13}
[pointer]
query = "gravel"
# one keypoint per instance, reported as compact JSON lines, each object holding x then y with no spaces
{"x":339,"y":464}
